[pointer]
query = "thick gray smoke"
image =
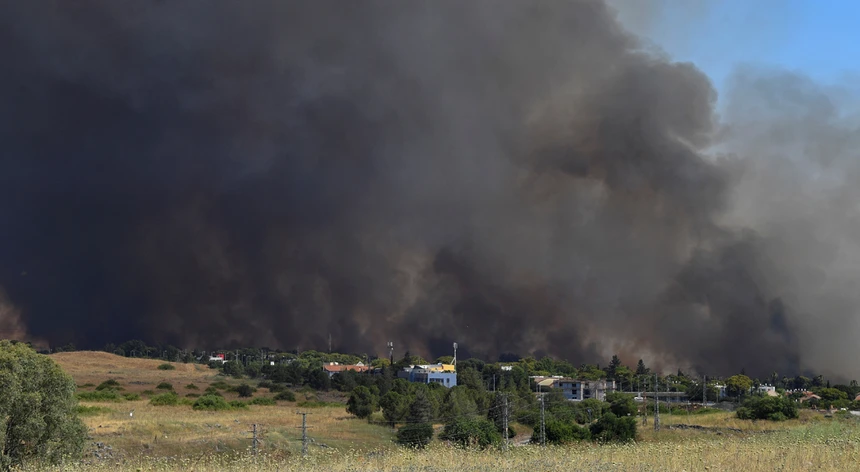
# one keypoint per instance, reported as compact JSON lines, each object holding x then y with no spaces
{"x":514,"y":176}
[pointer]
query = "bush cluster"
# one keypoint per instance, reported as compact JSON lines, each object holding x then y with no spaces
{"x":100,"y":396}
{"x":767,"y":408}
{"x":211,"y":403}
{"x":165,"y":399}
{"x":472,"y":432}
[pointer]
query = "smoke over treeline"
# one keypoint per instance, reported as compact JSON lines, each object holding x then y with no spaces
{"x":514,"y":176}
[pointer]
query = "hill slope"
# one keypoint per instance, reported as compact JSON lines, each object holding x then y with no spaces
{"x":134,"y":374}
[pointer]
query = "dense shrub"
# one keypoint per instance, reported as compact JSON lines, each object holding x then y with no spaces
{"x":238,"y":404}
{"x":211,"y":403}
{"x":165,"y":399}
{"x":621,"y":404}
{"x":164,"y":386}
{"x":191,"y":387}
{"x":415,"y":435}
{"x":610,"y":428}
{"x":131,"y":396}
{"x":263,"y":401}
{"x":244,"y":390}
{"x":767,"y":408}
{"x":253,"y":370}
{"x":148,"y":393}
{"x":212,"y":391}
{"x":110,"y":384}
{"x":562,"y":432}
{"x":87,"y":385}
{"x":233,"y":369}
{"x":100,"y":396}
{"x":286,"y":395}
{"x":472,"y":432}
{"x":220,"y":385}
{"x":166,"y":366}
{"x":192,"y":395}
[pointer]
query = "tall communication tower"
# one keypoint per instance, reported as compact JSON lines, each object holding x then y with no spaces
{"x":455,"y":354}
{"x":391,"y":352}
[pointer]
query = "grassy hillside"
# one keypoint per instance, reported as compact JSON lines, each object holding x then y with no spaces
{"x":135,"y":375}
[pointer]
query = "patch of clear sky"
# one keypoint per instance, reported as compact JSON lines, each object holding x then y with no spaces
{"x":818,"y":38}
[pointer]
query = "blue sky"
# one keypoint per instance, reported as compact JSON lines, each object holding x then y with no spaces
{"x":818,"y":38}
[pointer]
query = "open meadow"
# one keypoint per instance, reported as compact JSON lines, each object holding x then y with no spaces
{"x":177,"y":437}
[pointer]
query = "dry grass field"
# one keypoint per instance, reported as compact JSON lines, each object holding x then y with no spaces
{"x":174,"y":438}
{"x":135,"y":375}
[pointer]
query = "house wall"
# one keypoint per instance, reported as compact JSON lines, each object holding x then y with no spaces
{"x":446,"y":379}
{"x":578,"y":390}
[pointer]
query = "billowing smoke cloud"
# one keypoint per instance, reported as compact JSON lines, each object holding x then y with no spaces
{"x":11,"y":325}
{"x":514,"y":176}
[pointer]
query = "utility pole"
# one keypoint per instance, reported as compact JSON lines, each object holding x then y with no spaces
{"x":542,"y":422}
{"x":254,"y":441}
{"x":656,"y":406}
{"x":304,"y":433}
{"x":391,"y":352}
{"x":455,"y":354}
{"x":505,"y":396}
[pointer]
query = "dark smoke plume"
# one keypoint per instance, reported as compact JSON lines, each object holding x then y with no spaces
{"x":514,"y":176}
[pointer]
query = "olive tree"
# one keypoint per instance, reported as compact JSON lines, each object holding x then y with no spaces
{"x":38,"y":408}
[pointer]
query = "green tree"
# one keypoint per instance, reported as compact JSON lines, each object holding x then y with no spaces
{"x":418,"y":431}
{"x":471,"y":432}
{"x":612,"y":370}
{"x":624,"y":378}
{"x":610,"y":428}
{"x":738,"y":385}
{"x":38,"y":408}
{"x":469,"y":377}
{"x":457,"y":403}
{"x":641,"y":369}
{"x":233,"y":369}
{"x":621,"y":404}
{"x":362,"y":402}
{"x":395,"y":407}
{"x":319,"y":379}
{"x":829,"y":395}
{"x":421,"y":410}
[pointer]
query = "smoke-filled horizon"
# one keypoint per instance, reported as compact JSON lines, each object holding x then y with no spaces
{"x":516,"y":177}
